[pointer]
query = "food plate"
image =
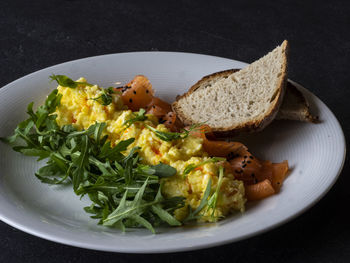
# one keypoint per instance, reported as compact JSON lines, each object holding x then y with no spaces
{"x":315,"y":153}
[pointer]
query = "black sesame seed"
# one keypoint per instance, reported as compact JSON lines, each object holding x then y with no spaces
{"x":244,"y":165}
{"x":255,"y":181}
{"x":170,"y":122}
{"x":134,"y":91}
{"x":153,"y":107}
{"x":130,"y":100}
{"x":252,"y":175}
{"x":245,"y":156}
{"x":251,"y":157}
{"x":230,"y":156}
{"x":125,"y":88}
{"x":147,"y":91}
{"x":278,"y":182}
{"x":248,"y":161}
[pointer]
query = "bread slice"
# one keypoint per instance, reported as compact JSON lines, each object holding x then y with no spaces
{"x":233,"y":101}
{"x":295,"y":106}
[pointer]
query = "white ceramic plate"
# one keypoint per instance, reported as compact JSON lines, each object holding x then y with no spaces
{"x":315,"y":153}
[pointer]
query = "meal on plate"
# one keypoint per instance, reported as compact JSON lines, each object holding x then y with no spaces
{"x":144,"y":162}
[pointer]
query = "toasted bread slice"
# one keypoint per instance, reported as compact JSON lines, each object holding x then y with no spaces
{"x":233,"y":101}
{"x":295,"y":106}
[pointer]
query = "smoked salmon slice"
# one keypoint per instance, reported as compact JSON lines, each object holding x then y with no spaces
{"x":259,"y":190}
{"x":138,"y":93}
{"x":261,"y":178}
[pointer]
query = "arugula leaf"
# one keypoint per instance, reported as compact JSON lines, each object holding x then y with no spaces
{"x":142,"y":221}
{"x":170,"y":136}
{"x":160,"y":170}
{"x":41,"y":117}
{"x":112,"y":218}
{"x":49,"y":174}
{"x":114,"y":153}
{"x":81,"y":162}
{"x":94,"y":130}
{"x":111,"y":90}
{"x":204,"y":200}
{"x":128,"y":174}
{"x":42,"y":154}
{"x":99,"y":127}
{"x":189,"y":168}
{"x":162,"y":213}
{"x":139,"y":117}
{"x":194,"y":214}
{"x":163,"y":170}
{"x":213,"y":199}
{"x":125,"y":210}
{"x":64,"y":81}
{"x":165,"y":216}
{"x":105,"y":98}
{"x":207,"y":200}
{"x":21,"y":131}
{"x":167,"y":136}
{"x":52,"y":101}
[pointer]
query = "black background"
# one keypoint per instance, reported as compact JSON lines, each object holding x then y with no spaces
{"x":38,"y":34}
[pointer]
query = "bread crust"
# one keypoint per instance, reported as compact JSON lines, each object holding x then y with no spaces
{"x":303,"y":114}
{"x":252,"y":126}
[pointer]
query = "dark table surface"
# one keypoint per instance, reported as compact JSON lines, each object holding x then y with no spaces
{"x":38,"y":34}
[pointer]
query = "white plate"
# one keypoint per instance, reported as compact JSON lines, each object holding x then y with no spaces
{"x":315,"y":153}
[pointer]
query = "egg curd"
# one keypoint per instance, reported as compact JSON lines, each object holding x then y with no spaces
{"x":78,"y":108}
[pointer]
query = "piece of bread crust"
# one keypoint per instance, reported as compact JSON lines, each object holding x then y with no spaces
{"x":295,"y":106}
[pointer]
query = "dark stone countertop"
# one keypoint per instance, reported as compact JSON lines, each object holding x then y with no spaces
{"x":38,"y":34}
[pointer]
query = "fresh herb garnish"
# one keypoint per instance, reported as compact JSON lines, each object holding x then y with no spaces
{"x":214,"y":198}
{"x":139,"y":117}
{"x":170,"y":136}
{"x":105,"y":98}
{"x":207,"y":200}
{"x":162,"y":170}
{"x":189,"y":168}
{"x":64,"y":81}
{"x":193,"y":215}
{"x":124,"y":192}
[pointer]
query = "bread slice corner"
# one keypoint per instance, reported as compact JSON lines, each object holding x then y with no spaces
{"x":295,"y":106}
{"x":232,"y":101}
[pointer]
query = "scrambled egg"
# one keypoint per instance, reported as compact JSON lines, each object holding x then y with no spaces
{"x":78,"y":109}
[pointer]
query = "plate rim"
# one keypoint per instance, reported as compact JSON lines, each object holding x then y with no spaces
{"x":75,"y":243}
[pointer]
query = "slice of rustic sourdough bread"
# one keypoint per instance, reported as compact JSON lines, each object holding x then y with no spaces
{"x":295,"y":106}
{"x":233,"y":101}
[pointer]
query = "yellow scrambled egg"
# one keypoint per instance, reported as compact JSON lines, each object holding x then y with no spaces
{"x":78,"y":109}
